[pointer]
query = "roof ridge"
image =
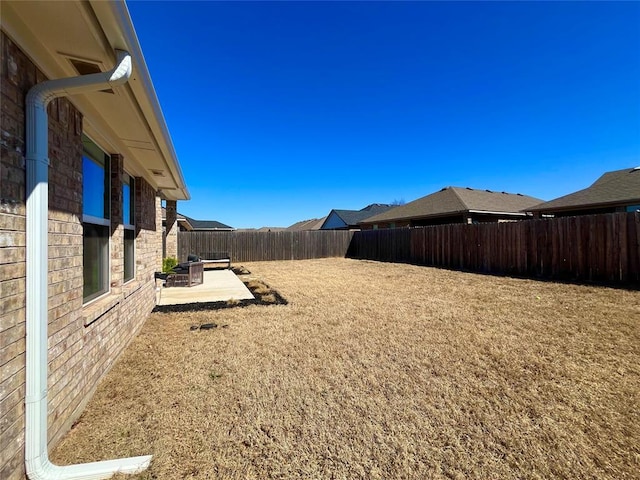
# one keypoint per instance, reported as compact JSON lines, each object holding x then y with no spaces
{"x":612,"y":176}
{"x":455,"y":192}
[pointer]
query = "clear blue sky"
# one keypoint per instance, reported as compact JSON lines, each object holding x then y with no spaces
{"x":281,"y":111}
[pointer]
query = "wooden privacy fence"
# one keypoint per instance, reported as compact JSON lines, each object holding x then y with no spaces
{"x":603,"y":248}
{"x":264,"y":246}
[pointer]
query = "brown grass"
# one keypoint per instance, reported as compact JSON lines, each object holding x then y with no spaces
{"x":380,"y":371}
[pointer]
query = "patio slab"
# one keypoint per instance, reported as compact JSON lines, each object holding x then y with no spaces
{"x":218,"y":285}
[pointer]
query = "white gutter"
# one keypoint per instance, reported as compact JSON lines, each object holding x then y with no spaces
{"x":513,"y":214}
{"x":120,"y":11}
{"x":37,"y":463}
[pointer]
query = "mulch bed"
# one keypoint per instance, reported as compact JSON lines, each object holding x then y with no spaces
{"x":263,"y":293}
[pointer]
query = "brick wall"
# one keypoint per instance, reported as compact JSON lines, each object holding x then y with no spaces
{"x":84,"y":340}
{"x":17,"y":75}
{"x":159,"y":232}
{"x":172,"y":229}
{"x":117,"y":229}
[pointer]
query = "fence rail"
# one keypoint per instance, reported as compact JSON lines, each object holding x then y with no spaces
{"x":265,"y":246}
{"x":594,"y":248}
{"x":585,"y":248}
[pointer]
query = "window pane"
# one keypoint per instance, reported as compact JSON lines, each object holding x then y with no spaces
{"x":129,"y":250}
{"x":95,"y":260}
{"x":95,"y":180}
{"x":126,"y":204}
{"x":127,"y":200}
{"x":93,"y":191}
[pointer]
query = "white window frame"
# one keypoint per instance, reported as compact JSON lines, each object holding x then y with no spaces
{"x":129,"y":227}
{"x":99,"y":221}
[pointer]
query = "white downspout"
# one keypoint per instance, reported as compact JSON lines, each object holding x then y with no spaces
{"x":37,"y":461}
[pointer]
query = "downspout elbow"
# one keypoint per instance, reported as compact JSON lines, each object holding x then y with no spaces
{"x":122,"y":71}
{"x":44,"y":92}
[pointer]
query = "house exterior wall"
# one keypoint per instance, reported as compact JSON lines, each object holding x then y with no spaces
{"x":333,"y":222}
{"x":381,"y":225}
{"x":588,"y":210}
{"x":84,"y":340}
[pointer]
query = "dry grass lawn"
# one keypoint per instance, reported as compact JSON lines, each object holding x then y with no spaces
{"x":380,"y":371}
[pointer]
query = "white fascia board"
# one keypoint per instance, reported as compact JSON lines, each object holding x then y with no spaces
{"x":511,"y":214}
{"x":116,"y":23}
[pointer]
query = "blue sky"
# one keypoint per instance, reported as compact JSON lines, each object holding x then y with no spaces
{"x":281,"y":111}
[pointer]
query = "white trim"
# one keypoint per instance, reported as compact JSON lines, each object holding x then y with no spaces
{"x":105,"y":222}
{"x":99,"y":297}
{"x":514,"y":214}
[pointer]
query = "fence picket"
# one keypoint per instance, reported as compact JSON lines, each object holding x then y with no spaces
{"x":587,"y":248}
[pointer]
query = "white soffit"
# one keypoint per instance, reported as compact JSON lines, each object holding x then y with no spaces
{"x":129,"y":120}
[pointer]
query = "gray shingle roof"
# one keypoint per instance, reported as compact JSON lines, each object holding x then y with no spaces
{"x":615,"y":187}
{"x":312,"y":224}
{"x":452,"y":200}
{"x":353,"y":217}
{"x":198,"y":224}
{"x":207,"y":224}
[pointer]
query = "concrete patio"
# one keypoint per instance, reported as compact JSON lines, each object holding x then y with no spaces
{"x":217,"y":285}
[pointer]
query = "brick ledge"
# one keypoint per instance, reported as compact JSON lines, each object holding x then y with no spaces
{"x":95,"y":310}
{"x":131,"y":287}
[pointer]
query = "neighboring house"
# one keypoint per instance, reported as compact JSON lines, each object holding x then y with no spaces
{"x":176,"y":222}
{"x":350,"y":219}
{"x":262,"y":229}
{"x":454,"y":205}
{"x":312,"y":224}
{"x":80,"y":218}
{"x":193,"y":225}
{"x":616,"y":191}
{"x":181,"y":220}
{"x":188,"y":224}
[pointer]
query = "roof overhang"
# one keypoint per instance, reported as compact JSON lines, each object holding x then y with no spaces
{"x":506,"y":214}
{"x":127,"y":121}
{"x":442,"y":215}
{"x":185,"y":224}
{"x":585,"y":206}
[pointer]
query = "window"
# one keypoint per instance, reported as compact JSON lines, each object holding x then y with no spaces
{"x":128,"y":221}
{"x":95,"y":220}
{"x":633,"y":208}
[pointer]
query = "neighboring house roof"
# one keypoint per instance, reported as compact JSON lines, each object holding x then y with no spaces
{"x":65,"y":39}
{"x":181,"y":219}
{"x":457,"y":200}
{"x":207,"y":224}
{"x":262,"y":229}
{"x":351,"y":218}
{"x":618,"y":187}
{"x":312,"y":224}
{"x":190,"y":224}
{"x":271,"y":229}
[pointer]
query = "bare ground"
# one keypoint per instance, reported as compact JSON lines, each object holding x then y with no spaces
{"x":378,"y":370}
